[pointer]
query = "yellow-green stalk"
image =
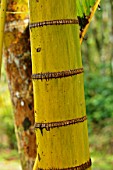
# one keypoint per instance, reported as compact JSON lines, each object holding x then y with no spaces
{"x":93,"y":10}
{"x":55,"y":48}
{"x":2,"y":24}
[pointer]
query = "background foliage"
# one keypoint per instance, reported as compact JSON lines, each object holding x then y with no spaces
{"x":97,"y":53}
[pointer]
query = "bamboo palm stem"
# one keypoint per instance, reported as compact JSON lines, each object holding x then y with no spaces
{"x":60,"y":116}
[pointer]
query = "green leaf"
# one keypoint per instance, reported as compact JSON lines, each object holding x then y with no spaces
{"x":84,"y":6}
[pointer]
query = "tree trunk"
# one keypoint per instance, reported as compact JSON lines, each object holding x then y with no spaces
{"x":18,"y":67}
{"x":60,"y":115}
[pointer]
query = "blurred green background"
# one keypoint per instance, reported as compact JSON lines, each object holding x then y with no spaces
{"x":97,"y":54}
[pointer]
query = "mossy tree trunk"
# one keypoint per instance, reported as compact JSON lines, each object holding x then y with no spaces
{"x":18,"y":67}
{"x":60,"y":114}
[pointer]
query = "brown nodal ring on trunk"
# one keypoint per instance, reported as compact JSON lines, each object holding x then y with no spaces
{"x":53,"y":22}
{"x":50,"y":75}
{"x":60,"y":123}
{"x":83,"y":166}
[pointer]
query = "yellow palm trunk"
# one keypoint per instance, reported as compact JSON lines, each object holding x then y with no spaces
{"x":60,"y":116}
